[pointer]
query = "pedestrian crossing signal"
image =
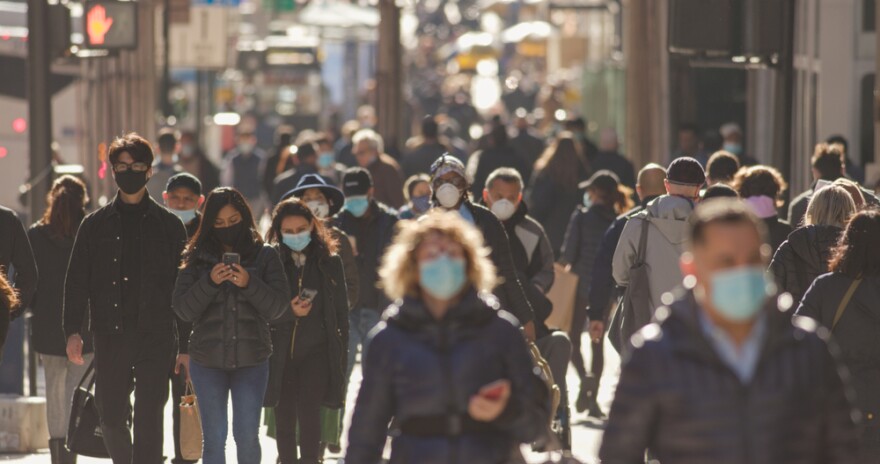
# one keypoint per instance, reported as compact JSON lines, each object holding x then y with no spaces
{"x":110,"y":25}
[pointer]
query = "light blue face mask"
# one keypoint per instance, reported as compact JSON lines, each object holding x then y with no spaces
{"x":326,"y":159}
{"x":587,"y":201}
{"x":735,"y":148}
{"x":185,"y":215}
{"x":443,"y":277}
{"x":357,"y":205}
{"x":738,"y":294}
{"x":297,"y":242}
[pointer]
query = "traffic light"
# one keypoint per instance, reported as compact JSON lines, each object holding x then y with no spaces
{"x":110,"y":25}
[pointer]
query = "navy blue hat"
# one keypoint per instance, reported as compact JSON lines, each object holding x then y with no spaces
{"x":184,"y":179}
{"x":309,"y":181}
{"x":356,"y":181}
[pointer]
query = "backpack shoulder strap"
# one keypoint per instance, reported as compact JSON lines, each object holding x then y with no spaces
{"x":841,"y":308}
{"x":643,"y":238}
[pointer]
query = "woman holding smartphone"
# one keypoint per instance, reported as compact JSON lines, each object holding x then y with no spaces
{"x":311,"y":339}
{"x":231,"y":286}
{"x":453,"y":371}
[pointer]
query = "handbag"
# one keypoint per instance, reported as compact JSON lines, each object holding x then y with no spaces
{"x":562,"y":295}
{"x":190,"y":425}
{"x":844,"y":303}
{"x":84,"y":435}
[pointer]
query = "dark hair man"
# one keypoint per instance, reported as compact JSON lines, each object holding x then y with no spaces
{"x":370,"y":225}
{"x":828,"y":165}
{"x":726,"y":361}
{"x":165,"y":165}
{"x":122,"y":272}
{"x":721,"y":168}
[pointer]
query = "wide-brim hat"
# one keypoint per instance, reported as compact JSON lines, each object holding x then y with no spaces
{"x":602,"y":179}
{"x":309,"y":181}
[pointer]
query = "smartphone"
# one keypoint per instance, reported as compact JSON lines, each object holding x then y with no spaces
{"x":494,"y":391}
{"x":231,"y":258}
{"x":307,"y":294}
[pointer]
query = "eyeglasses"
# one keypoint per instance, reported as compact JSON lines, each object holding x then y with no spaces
{"x":136,"y":167}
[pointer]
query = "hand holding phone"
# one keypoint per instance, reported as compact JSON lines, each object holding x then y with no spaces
{"x":490,"y":401}
{"x":231,"y":258}
{"x":495,"y":390}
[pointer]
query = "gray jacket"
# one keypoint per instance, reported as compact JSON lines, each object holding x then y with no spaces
{"x":667,"y":237}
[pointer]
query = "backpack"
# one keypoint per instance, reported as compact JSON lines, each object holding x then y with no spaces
{"x":627,"y":320}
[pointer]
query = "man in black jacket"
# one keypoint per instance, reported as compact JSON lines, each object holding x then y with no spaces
{"x":726,"y":363}
{"x":122,"y":271}
{"x":183,"y":196}
{"x":450,"y":192}
{"x":15,"y":249}
{"x":371,"y":226}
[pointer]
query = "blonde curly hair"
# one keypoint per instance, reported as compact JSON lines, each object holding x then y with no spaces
{"x":399,"y":272}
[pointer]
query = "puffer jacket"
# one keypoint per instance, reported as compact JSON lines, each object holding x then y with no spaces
{"x":421,"y":369}
{"x":678,"y":398}
{"x":231,"y":325}
{"x":856,"y":335}
{"x":667,"y":237}
{"x":802,"y":258}
{"x":585,"y":231}
{"x":332,"y":295}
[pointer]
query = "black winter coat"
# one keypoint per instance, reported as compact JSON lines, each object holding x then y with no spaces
{"x":369,"y":252}
{"x":418,"y":368}
{"x":677,"y":398}
{"x":15,"y":250}
{"x":510,"y":292}
{"x":552,"y":207}
{"x":230,"y":325}
{"x":802,"y":258}
{"x":856,"y":335}
{"x":332,"y":296}
{"x":95,"y":270}
{"x":584,"y":234}
{"x":51,"y":253}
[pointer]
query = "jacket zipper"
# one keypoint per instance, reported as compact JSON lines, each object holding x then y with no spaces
{"x":296,"y":322}
{"x":450,"y":388}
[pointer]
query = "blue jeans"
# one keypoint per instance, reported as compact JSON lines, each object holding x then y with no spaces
{"x":248,"y":386}
{"x":360,"y":322}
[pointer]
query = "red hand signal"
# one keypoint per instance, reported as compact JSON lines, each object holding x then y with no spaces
{"x":98,"y":24}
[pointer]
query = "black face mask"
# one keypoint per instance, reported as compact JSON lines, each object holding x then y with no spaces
{"x":229,"y":235}
{"x":131,"y":182}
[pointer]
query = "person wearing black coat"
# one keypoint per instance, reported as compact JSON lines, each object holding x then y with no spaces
{"x":804,"y":256}
{"x":231,"y":287}
{"x":845,"y":301}
{"x":724,"y":375}
{"x":52,"y":241}
{"x":449,"y":366}
{"x":310,"y":341}
{"x":761,"y":187}
{"x":15,"y":251}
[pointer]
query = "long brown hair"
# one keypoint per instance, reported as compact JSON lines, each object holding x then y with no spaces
{"x":620,"y":199}
{"x":8,"y":295}
{"x":561,"y":160}
{"x":205,"y":240}
{"x":857,"y":254}
{"x":66,"y":206}
{"x":295,"y":207}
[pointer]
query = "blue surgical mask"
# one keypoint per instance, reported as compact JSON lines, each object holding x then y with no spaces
{"x":357,"y":205}
{"x":443,"y":277}
{"x":297,"y":242}
{"x":587,"y":201}
{"x":735,"y":148}
{"x":422,"y":203}
{"x":738,"y":294}
{"x":326,"y":159}
{"x":185,"y":215}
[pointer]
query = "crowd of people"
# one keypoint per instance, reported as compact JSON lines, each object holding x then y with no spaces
{"x":437,"y":268}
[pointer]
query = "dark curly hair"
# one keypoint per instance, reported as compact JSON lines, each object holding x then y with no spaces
{"x":857,"y":254}
{"x":321,"y":236}
{"x":8,"y":295}
{"x":755,"y":181}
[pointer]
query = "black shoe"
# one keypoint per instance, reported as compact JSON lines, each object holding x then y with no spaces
{"x":587,"y":395}
{"x":334,"y":448}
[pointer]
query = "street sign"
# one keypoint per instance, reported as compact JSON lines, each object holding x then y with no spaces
{"x":110,"y":25}
{"x":203,"y":43}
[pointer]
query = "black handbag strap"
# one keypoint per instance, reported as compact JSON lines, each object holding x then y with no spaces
{"x":643,"y":241}
{"x":88,"y":375}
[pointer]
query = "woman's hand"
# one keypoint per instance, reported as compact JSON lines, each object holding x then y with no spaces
{"x":240,"y":276}
{"x":301,"y":308}
{"x":220,"y":273}
{"x":490,"y":401}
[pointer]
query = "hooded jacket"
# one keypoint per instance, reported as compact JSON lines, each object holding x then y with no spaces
{"x":856,"y":335}
{"x":679,"y":399}
{"x":667,"y":236}
{"x":419,"y":368}
{"x":802,"y":258}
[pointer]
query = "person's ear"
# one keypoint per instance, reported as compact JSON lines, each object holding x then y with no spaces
{"x":666,"y":184}
{"x":519,"y":198}
{"x":371,"y":192}
{"x":149,"y":173}
{"x":201,"y":201}
{"x":486,"y":197}
{"x":165,"y":197}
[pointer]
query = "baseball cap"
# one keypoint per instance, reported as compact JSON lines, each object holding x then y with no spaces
{"x":356,"y":181}
{"x":686,"y":171}
{"x":602,"y":179}
{"x":184,"y":179}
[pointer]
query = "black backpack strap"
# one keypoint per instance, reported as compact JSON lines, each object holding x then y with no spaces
{"x":88,"y":375}
{"x":643,"y":241}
